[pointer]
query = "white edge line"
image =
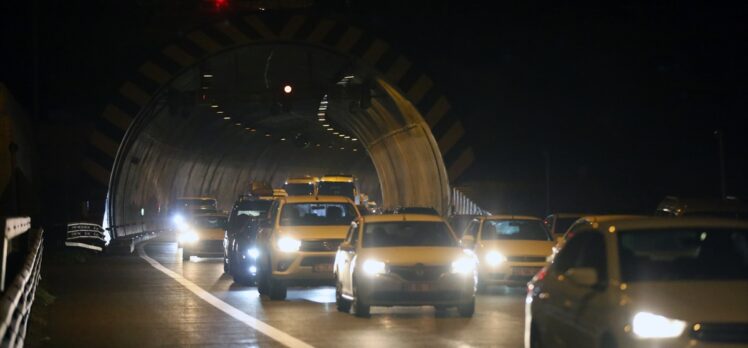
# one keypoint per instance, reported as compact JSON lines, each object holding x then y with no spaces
{"x":277,"y":335}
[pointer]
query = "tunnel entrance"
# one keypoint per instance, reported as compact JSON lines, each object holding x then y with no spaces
{"x":290,"y":102}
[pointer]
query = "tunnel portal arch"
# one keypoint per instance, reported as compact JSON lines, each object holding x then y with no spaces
{"x":429,"y":115}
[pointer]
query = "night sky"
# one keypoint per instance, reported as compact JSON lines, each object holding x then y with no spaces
{"x":621,"y":99}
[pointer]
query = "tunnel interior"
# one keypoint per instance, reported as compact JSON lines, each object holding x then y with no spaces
{"x":267,"y":112}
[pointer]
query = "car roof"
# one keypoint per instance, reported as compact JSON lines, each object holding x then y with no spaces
{"x":197,"y":197}
{"x":402,"y":217}
{"x":611,"y":217}
{"x":510,"y":217}
{"x":302,"y":180}
{"x":337,"y":178}
{"x":319,"y":199}
{"x":659,"y":222}
{"x":568,"y":215}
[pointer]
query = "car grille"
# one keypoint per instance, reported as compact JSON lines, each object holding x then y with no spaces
{"x":721,"y":332}
{"x":317,"y":260}
{"x":419,"y":272}
{"x":320,"y":245}
{"x":404,"y":296}
{"x":526,"y":258}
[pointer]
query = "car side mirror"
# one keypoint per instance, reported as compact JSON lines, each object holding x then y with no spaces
{"x":583,"y":276}
{"x":345,"y":246}
{"x":559,"y":238}
{"x":467,"y":241}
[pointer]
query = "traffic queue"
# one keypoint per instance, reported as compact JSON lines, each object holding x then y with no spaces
{"x":592,"y":280}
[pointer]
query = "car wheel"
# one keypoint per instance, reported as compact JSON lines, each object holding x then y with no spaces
{"x":185,"y":255}
{"x":340,"y":302}
{"x":263,"y":277}
{"x":360,"y":308}
{"x":278,"y":290}
{"x":226,"y":266}
{"x":467,"y":310}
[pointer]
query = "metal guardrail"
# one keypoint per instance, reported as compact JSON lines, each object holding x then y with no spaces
{"x":18,"y":297}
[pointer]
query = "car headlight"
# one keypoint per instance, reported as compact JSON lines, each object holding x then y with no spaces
{"x":464,"y":265}
{"x":188,"y":236}
{"x":288,"y":244}
{"x":648,"y":325}
{"x":372,"y":267}
{"x":253,"y":253}
{"x":494,"y":258}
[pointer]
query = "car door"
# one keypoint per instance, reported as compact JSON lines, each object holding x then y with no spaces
{"x":589,"y":305}
{"x":552,"y":310}
{"x":346,"y":255}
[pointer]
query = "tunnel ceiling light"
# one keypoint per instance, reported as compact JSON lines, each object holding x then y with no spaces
{"x":283,"y":139}
{"x":317,"y":145}
{"x":287,"y":89}
{"x":353,"y":139}
{"x":354,"y":149}
{"x":321,"y":119}
{"x":342,"y":148}
{"x":341,"y":135}
{"x":267,"y":134}
{"x":329,"y":146}
{"x":208,"y":75}
{"x":214,"y":106}
{"x":325,"y":125}
{"x":321,"y":114}
{"x":336,"y":133}
{"x":219,"y":112}
{"x":347,"y":137}
{"x":238,"y":124}
{"x":331,"y":129}
{"x":226,"y":118}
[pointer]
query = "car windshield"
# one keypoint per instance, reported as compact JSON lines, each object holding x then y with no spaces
{"x":683,"y":254}
{"x":252,"y":208}
{"x":407,"y":234}
{"x":563,"y":224}
{"x":317,"y":214}
{"x":327,"y":188}
{"x":192,"y":204}
{"x":209,"y":222}
{"x":514,"y":230}
{"x":299,"y":189}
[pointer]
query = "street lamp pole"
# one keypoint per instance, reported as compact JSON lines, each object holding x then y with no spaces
{"x":718,"y":133}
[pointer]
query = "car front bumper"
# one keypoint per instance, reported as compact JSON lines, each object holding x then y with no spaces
{"x":508,"y":273}
{"x":392,"y":290}
{"x":304,"y":268}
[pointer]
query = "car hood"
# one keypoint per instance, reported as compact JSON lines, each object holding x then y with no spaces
{"x":692,"y":301}
{"x":403,"y":256}
{"x":314,"y":232}
{"x":517,"y":247}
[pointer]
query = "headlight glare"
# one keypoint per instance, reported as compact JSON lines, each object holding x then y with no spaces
{"x":288,"y":244}
{"x":372,"y":267}
{"x":188,"y":236}
{"x":494,"y":258}
{"x":463,"y":265}
{"x":253,"y":253}
{"x":648,"y":325}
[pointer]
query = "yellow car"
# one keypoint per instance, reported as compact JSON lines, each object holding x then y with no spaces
{"x":305,"y":186}
{"x":510,"y":249}
{"x":297,"y":245}
{"x":202,"y":235}
{"x":404,"y":260}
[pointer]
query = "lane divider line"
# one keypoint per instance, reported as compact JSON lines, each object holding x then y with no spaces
{"x":275,"y":334}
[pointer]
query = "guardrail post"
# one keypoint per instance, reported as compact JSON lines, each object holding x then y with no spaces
{"x":4,"y":265}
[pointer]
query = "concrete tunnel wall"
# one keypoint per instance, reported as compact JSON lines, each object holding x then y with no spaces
{"x":414,"y":142}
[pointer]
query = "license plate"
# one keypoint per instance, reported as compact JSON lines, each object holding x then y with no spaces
{"x":525,"y":271}
{"x":322,"y":267}
{"x":418,"y":287}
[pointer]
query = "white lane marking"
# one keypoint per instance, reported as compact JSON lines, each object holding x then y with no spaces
{"x":278,"y":335}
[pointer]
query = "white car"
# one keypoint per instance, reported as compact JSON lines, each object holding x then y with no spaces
{"x":648,"y":282}
{"x":404,"y":260}
{"x":510,"y":248}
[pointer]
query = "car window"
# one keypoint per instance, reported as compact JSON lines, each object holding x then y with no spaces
{"x":354,"y":237}
{"x":408,"y":233}
{"x":472,"y":228}
{"x":594,"y":255}
{"x":514,"y":230}
{"x":570,"y":254}
{"x":317,"y":214}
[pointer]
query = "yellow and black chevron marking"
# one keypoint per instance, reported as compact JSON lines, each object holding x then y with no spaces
{"x":199,"y":44}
